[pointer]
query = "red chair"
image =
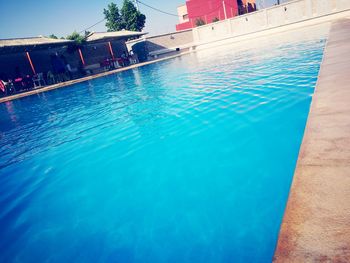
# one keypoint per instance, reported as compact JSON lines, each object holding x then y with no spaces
{"x":19,"y":84}
{"x":2,"y":86}
{"x":120,"y":62}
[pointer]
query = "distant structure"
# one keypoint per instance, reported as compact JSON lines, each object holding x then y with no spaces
{"x":37,"y":61}
{"x":246,"y":6}
{"x":209,"y":11}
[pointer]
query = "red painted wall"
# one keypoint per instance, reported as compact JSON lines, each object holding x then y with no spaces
{"x":183,"y":26}
{"x":207,"y":10}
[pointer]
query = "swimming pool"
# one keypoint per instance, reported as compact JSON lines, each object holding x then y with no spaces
{"x":187,"y":160}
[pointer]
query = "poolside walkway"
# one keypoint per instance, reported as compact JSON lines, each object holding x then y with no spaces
{"x":316,"y":225}
{"x":87,"y":78}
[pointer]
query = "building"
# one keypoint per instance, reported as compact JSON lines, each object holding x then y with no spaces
{"x":30,"y":57}
{"x":246,"y":6}
{"x":102,"y":45}
{"x":33,"y":55}
{"x":195,"y":12}
{"x":207,"y":11}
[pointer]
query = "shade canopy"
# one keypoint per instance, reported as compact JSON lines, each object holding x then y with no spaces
{"x":28,"y":44}
{"x":107,"y":36}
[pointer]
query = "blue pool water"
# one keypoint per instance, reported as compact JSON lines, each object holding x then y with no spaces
{"x":186,"y":160}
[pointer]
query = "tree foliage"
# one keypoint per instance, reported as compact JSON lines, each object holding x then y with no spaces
{"x":200,"y":22}
{"x":53,"y":36}
{"x":133,"y":19}
{"x":114,"y":20}
{"x":79,"y":39}
{"x":127,"y":18}
{"x":87,"y":34}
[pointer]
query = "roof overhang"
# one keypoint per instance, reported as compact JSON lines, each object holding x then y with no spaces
{"x":30,"y":44}
{"x":117,"y":35}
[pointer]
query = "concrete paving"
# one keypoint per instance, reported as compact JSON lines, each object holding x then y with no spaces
{"x":316,"y":224}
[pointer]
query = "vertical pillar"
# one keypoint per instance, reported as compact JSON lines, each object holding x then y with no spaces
{"x":223,"y":4}
{"x":30,"y":62}
{"x":81,"y":56}
{"x":110,"y":49}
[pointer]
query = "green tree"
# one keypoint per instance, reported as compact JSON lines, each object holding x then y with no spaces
{"x":133,"y":19}
{"x":114,"y":20}
{"x":128,"y":18}
{"x":79,"y":39}
{"x":87,"y":34}
{"x":200,"y":22}
{"x":53,"y":36}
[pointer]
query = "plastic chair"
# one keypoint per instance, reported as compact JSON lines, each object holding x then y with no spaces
{"x":38,"y":80}
{"x":2,"y":86}
{"x":51,"y":78}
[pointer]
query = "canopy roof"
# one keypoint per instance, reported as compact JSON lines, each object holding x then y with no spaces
{"x":35,"y":43}
{"x":31,"y":43}
{"x":103,"y":36}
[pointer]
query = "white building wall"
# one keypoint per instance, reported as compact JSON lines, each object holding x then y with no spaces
{"x":287,"y":13}
{"x":343,"y":4}
{"x":182,"y":11}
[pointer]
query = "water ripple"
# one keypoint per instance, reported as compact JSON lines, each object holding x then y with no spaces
{"x":174,"y":161}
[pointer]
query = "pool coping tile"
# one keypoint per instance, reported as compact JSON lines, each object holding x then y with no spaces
{"x":316,"y":224}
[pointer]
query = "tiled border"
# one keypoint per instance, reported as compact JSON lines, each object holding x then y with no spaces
{"x":316,"y":224}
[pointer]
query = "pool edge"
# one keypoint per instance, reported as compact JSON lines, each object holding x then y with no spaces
{"x":84,"y":79}
{"x":315,"y":226}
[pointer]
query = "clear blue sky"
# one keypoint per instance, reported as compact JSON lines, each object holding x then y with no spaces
{"x":25,"y":18}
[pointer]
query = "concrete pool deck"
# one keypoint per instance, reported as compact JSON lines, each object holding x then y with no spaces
{"x":316,"y":224}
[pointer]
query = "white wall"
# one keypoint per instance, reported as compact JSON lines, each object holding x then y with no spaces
{"x":290,"y":12}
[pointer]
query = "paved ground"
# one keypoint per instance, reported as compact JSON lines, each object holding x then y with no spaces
{"x":316,"y":225}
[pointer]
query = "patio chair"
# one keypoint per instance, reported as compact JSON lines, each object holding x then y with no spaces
{"x":38,"y":80}
{"x":51,"y":78}
{"x":7,"y":88}
{"x":2,"y":86}
{"x":19,"y":84}
{"x":133,"y":59}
